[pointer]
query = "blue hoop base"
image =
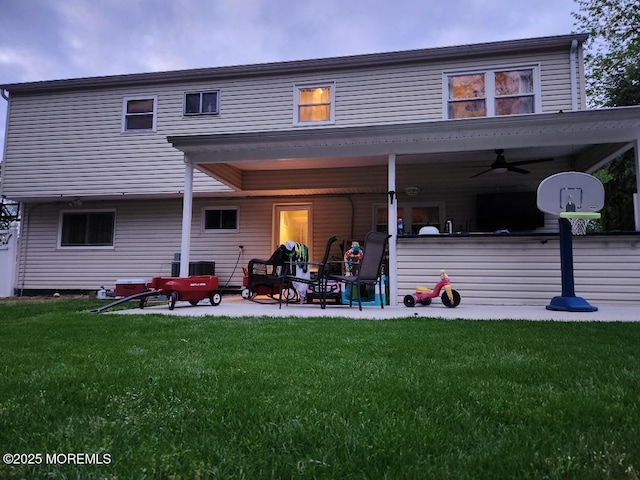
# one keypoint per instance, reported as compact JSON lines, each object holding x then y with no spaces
{"x":570,"y":304}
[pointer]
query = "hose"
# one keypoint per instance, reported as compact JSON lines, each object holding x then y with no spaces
{"x":233,"y":271}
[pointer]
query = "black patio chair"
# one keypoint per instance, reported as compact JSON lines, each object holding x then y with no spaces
{"x":265,"y":276}
{"x":316,"y":283}
{"x":370,"y":268}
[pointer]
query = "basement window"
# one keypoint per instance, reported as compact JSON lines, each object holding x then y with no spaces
{"x":220,"y":219}
{"x":94,"y":229}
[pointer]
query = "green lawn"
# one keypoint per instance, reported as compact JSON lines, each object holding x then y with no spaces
{"x":154,"y":396}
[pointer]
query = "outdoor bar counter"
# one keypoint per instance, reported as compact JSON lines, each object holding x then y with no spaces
{"x":522,"y":268}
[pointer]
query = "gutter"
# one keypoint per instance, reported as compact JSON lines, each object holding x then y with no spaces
{"x":573,"y":64}
{"x":5,"y":94}
{"x":409,"y":133}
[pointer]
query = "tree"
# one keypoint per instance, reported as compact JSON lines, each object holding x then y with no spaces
{"x":612,"y":63}
{"x":613,"y":47}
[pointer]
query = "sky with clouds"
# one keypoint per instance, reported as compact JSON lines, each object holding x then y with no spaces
{"x":58,"y":39}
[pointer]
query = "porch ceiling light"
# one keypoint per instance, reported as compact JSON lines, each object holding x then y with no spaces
{"x":412,"y":191}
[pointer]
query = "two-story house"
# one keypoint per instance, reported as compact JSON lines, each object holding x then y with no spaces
{"x":117,"y":174}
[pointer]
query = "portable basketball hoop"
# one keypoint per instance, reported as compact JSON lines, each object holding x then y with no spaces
{"x":576,"y":198}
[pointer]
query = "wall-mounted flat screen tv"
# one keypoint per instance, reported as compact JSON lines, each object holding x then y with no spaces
{"x":515,"y":211}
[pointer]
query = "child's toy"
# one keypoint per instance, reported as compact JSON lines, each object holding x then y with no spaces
{"x":372,"y":296}
{"x":423,"y":295}
{"x":189,"y":289}
{"x":352,"y":258}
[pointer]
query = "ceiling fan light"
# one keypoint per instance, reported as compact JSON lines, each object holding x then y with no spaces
{"x":500,"y":170}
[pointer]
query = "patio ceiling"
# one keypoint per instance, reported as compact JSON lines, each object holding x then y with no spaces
{"x":254,"y":163}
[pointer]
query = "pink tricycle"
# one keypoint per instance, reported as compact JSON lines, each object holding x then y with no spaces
{"x":424,"y":295}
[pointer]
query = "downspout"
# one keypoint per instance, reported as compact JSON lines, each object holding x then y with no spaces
{"x":5,"y":95}
{"x":636,"y":196}
{"x":573,"y":62}
{"x":22,"y":248}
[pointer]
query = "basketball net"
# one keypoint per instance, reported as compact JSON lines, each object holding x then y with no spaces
{"x":579,"y":220}
{"x":579,"y":225}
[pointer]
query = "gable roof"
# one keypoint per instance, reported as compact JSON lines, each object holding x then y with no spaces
{"x":302,"y":66}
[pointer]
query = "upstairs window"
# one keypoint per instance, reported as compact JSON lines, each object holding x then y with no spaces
{"x":87,"y":229}
{"x":514,"y":92}
{"x":139,"y":114}
{"x":314,"y":104}
{"x":467,"y":96}
{"x":491,"y":93}
{"x":202,"y":103}
{"x":220,"y":219}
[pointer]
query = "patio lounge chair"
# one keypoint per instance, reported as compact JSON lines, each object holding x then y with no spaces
{"x":316,"y":283}
{"x":369,"y":271}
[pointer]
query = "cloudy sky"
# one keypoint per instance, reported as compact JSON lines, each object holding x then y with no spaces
{"x":56,"y":39}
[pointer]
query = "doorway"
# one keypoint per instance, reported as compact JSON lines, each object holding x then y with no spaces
{"x":292,"y":222}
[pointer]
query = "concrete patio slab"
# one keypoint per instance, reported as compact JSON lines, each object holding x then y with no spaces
{"x":235,"y":306}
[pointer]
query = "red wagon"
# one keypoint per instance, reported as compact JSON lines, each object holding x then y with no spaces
{"x":188,"y":289}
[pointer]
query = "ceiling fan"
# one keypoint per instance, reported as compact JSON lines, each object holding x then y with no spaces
{"x":500,"y":165}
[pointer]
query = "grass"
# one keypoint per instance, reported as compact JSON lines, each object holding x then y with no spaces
{"x":259,"y":398}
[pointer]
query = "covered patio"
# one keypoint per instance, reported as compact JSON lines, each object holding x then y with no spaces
{"x":386,"y":159}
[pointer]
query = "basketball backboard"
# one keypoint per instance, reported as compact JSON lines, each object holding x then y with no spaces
{"x":570,"y":192}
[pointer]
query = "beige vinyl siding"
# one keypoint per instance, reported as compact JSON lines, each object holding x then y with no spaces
{"x":71,"y":143}
{"x":148,"y":233}
{"x":245,"y":105}
{"x":522,"y":270}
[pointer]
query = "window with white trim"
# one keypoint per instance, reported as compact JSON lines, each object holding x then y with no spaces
{"x":87,"y":228}
{"x":220,"y":219}
{"x":508,"y":91}
{"x":139,"y":114}
{"x":314,"y":104}
{"x":202,"y":103}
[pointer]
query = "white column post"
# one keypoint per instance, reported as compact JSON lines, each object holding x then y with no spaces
{"x":392,"y":229}
{"x":187,"y":207}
